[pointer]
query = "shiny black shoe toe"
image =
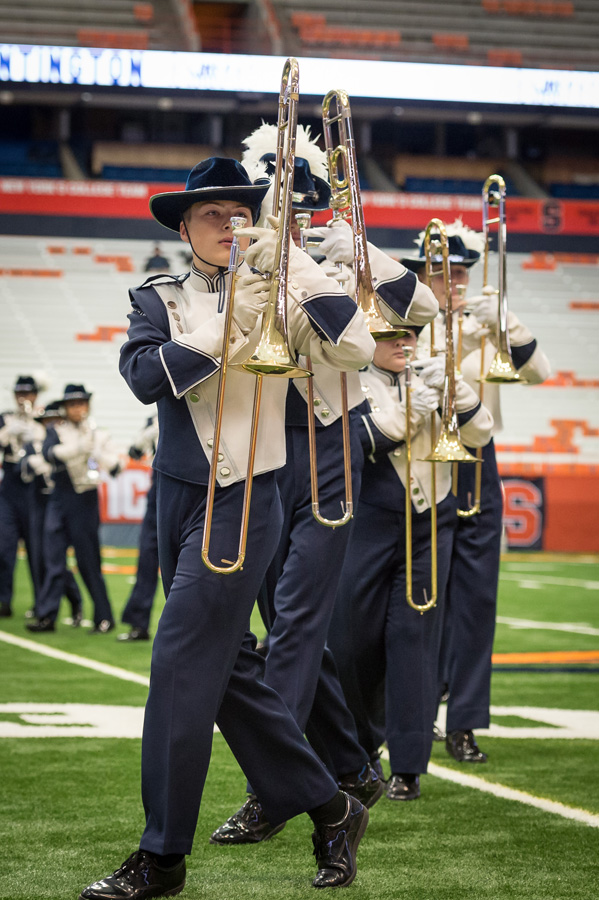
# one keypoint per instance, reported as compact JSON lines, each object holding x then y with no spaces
{"x":403,"y":787}
{"x":335,"y":846}
{"x":102,"y":627}
{"x":247,"y":826}
{"x":463,"y":747}
{"x":5,"y":611}
{"x":375,"y":762}
{"x":136,"y":634}
{"x":367,"y":787}
{"x":139,"y":877}
{"x":40,"y":626}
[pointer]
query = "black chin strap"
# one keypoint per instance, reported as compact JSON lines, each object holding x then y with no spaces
{"x":195,"y":253}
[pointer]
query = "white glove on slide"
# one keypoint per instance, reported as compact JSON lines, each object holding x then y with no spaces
{"x":342,"y":276}
{"x":424,"y":400}
{"x":338,"y":241}
{"x":431,"y":370}
{"x":484,"y":307}
{"x":261,"y":254}
{"x":251,"y":296}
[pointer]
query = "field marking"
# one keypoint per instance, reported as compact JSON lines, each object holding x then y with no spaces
{"x":549,"y":579}
{"x":573,"y":627}
{"x":548,"y":656}
{"x":506,"y":793}
{"x":104,"y":668}
{"x":71,"y":720}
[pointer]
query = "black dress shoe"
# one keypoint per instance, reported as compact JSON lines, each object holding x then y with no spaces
{"x":5,"y":611}
{"x":375,"y":762}
{"x":102,"y":627}
{"x":139,"y":877}
{"x":335,"y":846}
{"x":247,"y":826}
{"x":438,"y":735}
{"x":40,"y":625}
{"x":403,"y":787}
{"x":463,"y":747}
{"x":367,"y":787}
{"x":76,"y":617}
{"x":136,"y":634}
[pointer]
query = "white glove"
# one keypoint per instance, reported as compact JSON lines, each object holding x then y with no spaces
{"x":18,"y":428}
{"x":338,"y":241}
{"x":251,"y":297}
{"x":79,"y":445}
{"x":424,"y":400}
{"x":431,"y":371}
{"x":342,"y":276}
{"x":484,"y":307}
{"x":38,"y":464}
{"x":261,"y":254}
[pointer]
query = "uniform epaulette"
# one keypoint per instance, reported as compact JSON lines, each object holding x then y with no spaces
{"x":163,"y":278}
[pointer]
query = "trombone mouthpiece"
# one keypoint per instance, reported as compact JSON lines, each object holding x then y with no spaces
{"x":238,"y":221}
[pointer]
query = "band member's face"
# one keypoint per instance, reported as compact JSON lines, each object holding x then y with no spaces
{"x":25,"y":399}
{"x":388,"y":355}
{"x":76,"y":410}
{"x":460,"y":276}
{"x":207,"y":227}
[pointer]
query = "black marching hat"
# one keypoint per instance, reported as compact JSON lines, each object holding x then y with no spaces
{"x":75,"y":392}
{"x":216,"y":178}
{"x":459,"y":254}
{"x":309,"y":191}
{"x":26,"y":384}
{"x":52,"y":410}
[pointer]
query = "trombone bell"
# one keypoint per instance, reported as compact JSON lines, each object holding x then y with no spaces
{"x":449,"y":448}
{"x":502,"y":370}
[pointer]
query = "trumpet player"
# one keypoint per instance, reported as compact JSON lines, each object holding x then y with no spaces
{"x":78,"y":453}
{"x":17,"y":429}
{"x":387,"y":651}
{"x":472,"y":588}
{"x":204,"y":665}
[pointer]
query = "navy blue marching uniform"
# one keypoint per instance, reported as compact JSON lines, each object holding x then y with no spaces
{"x":385,"y":650}
{"x":139,"y":605}
{"x":204,"y":668}
{"x":16,"y":496}
{"x":77,"y":452}
{"x":472,"y":587}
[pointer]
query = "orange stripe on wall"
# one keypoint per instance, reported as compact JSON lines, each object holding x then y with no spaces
{"x":571,"y":513}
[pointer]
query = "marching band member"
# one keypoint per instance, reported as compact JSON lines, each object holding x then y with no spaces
{"x":78,"y":452}
{"x":17,"y":428}
{"x":35,"y":468}
{"x":473,"y":580}
{"x":204,"y":665}
{"x":138,"y":608}
{"x":380,"y":643}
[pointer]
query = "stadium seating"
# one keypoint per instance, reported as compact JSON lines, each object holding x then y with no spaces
{"x":30,"y":158}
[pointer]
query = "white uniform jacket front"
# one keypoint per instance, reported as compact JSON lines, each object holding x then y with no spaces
{"x":172,"y":358}
{"x":81,"y":467}
{"x":384,"y":432}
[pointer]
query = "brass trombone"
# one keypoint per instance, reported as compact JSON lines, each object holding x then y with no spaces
{"x":346,"y":203}
{"x":272,"y":356}
{"x":502,"y":369}
{"x":303,"y":220}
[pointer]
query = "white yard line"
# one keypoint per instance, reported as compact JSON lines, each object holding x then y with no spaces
{"x":551,"y":579}
{"x":505,"y":793}
{"x":104,"y":668}
{"x":573,"y":627}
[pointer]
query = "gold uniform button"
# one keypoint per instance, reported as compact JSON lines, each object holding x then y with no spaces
{"x":176,"y":317}
{"x":304,"y":294}
{"x":294,"y":285}
{"x":364,"y":388}
{"x":317,"y":402}
{"x":325,"y":413}
{"x":194,"y":398}
{"x":420,"y":502}
{"x":376,"y":409}
{"x":224,"y":471}
{"x":397,"y":453}
{"x":232,"y":340}
{"x":220,"y":457}
{"x":179,"y":328}
{"x":210,"y":442}
{"x":415,"y":490}
{"x":171,"y":304}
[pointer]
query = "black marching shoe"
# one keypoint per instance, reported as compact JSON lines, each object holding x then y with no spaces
{"x":76,"y":616}
{"x":403,"y":787}
{"x":335,"y":846}
{"x":102,"y":627}
{"x":375,"y":762}
{"x":40,"y":626}
{"x":367,"y":787}
{"x":5,"y":611}
{"x":247,"y":826}
{"x":463,"y":747}
{"x":139,"y":877}
{"x":136,"y":634}
{"x":438,"y":734}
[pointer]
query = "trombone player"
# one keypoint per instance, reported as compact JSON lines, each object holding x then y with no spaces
{"x":472,"y":587}
{"x":204,"y":667}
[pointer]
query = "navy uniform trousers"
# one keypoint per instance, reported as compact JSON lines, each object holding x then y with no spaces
{"x":387,"y":652}
{"x":205,"y":670}
{"x":300,"y":589}
{"x":15,"y":524}
{"x":472,"y":599}
{"x":72,"y":520}
{"x":139,"y":605}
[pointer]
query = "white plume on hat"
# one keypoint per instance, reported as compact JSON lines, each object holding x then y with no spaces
{"x":473,"y":240}
{"x":264,"y":140}
{"x":42,"y":380}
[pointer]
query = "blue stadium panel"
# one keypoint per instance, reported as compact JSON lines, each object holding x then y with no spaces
{"x":33,"y":159}
{"x":574,"y":191}
{"x":133,"y":173}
